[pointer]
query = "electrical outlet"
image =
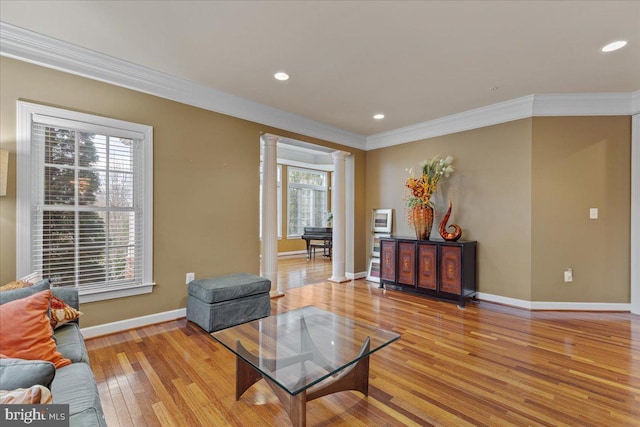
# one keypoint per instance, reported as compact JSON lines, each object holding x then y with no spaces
{"x":190,"y":277}
{"x":568,"y":275}
{"x":593,"y":213}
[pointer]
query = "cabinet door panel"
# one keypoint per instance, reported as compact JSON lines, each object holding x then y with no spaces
{"x":406,"y":263}
{"x":388,"y":260}
{"x":451,"y":269}
{"x":427,"y":266}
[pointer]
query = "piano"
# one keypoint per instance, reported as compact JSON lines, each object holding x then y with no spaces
{"x":317,"y":234}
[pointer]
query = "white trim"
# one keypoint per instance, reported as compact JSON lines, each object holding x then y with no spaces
{"x":305,"y":165}
{"x":580,"y":306}
{"x":356,"y":276}
{"x":293,"y":253}
{"x":551,"y":305}
{"x":25,"y":112}
{"x":635,"y":102}
{"x":28,"y":46}
{"x":514,"y":109}
{"x":23,"y":180}
{"x":136,"y":322}
{"x":514,"y":302}
{"x":581,"y":104}
{"x":106,"y":294}
{"x":635,"y":213}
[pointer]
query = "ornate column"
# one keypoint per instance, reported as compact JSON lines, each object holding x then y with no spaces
{"x":270,"y":212}
{"x":339,"y":218}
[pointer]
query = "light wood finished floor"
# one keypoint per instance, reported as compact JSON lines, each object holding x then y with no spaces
{"x":486,"y":365}
{"x":298,"y":271}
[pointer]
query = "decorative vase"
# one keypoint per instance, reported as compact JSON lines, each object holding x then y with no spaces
{"x":457,"y":231}
{"x":422,"y":221}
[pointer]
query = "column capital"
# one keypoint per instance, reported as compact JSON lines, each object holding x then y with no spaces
{"x":337,"y":155}
{"x":269,"y":139}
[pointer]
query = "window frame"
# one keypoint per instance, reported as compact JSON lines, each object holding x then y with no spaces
{"x":305,"y":186}
{"x":25,"y":174}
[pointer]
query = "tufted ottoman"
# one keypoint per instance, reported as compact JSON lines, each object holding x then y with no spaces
{"x":220,"y":302}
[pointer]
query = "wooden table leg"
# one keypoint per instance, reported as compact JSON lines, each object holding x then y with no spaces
{"x":246,"y":376}
{"x":355,"y":377}
{"x":295,"y":405}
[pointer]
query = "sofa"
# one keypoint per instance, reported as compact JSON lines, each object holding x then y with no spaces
{"x":73,"y":384}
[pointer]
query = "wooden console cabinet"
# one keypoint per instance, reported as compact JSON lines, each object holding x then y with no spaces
{"x":435,"y":268}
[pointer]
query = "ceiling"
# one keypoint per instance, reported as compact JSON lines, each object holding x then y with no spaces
{"x":413,"y":61}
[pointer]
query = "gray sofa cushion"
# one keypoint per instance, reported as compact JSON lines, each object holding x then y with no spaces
{"x":70,"y":343}
{"x":68,"y":295}
{"x":14,"y":294}
{"x":231,"y":287}
{"x":74,"y":385}
{"x":20,"y":373}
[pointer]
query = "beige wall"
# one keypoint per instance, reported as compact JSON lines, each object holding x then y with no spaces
{"x":581,"y":163}
{"x":205,"y":183}
{"x":490,"y":191}
{"x":523,"y":190}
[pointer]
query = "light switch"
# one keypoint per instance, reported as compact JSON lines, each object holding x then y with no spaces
{"x":593,"y":213}
{"x":568,"y":275}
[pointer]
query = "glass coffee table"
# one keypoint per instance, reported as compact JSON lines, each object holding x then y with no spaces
{"x":303,"y":354}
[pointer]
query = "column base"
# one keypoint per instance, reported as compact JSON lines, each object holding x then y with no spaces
{"x":276,"y":294}
{"x":338,"y":279}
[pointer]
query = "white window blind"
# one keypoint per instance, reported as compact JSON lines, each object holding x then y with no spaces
{"x":87,"y":204}
{"x":307,"y":199}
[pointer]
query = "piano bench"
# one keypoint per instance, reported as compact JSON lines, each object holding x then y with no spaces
{"x":326,"y":249}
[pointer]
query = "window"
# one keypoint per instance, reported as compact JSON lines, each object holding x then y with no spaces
{"x":307,"y":199}
{"x":85,"y":201}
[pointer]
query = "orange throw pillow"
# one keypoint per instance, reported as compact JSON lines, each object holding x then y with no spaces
{"x":60,"y":312}
{"x":25,"y":331}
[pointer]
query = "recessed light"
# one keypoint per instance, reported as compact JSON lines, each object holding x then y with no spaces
{"x":614,"y":46}
{"x":378,"y":116}
{"x":281,"y":76}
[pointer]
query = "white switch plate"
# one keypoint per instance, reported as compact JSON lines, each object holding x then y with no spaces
{"x":190,"y":277}
{"x":593,"y":213}
{"x":568,"y":275}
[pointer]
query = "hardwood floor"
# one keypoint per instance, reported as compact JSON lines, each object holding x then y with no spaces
{"x":299,"y":271}
{"x":486,"y":365}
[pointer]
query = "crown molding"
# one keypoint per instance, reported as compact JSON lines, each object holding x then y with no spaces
{"x":28,"y":46}
{"x":580,"y":104}
{"x":502,"y":112}
{"x":635,"y":102}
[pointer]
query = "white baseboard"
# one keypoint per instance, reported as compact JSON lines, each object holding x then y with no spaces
{"x":551,"y":305}
{"x":293,"y":253}
{"x":136,"y":322}
{"x":355,"y":276}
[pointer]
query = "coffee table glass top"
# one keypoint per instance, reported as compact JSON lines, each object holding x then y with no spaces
{"x":303,"y":347}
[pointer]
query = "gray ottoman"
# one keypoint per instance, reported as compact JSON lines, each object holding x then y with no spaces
{"x":220,"y":302}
